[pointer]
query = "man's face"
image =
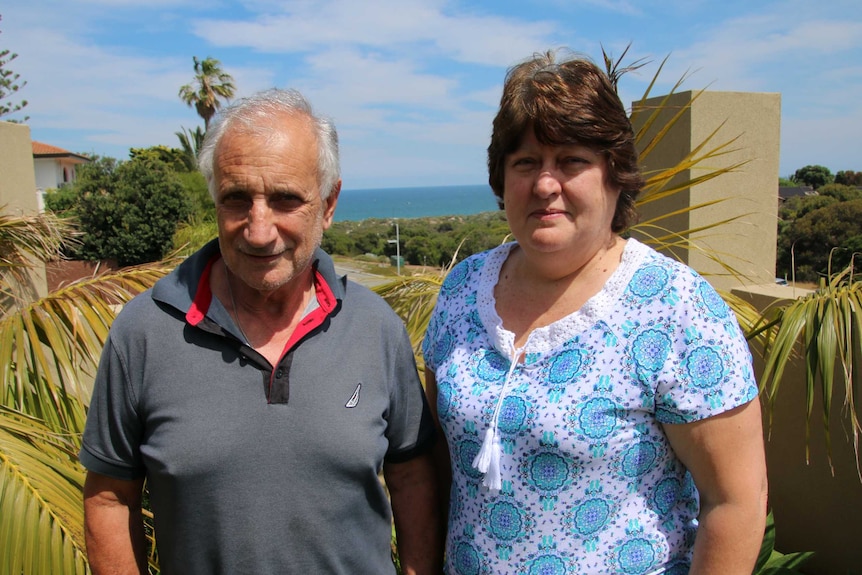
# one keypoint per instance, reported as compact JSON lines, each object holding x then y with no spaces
{"x":270,"y":215}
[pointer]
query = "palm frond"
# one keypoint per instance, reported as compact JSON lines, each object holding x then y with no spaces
{"x":659,"y":183}
{"x":413,"y":299}
{"x":53,"y":344}
{"x":615,"y":68}
{"x":25,"y":241}
{"x":825,"y":327}
{"x":657,"y":112}
{"x":41,"y":516}
{"x":28,"y":238}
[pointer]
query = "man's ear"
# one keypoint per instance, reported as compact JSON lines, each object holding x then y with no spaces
{"x":329,"y":204}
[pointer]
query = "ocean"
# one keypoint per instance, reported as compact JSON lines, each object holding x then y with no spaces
{"x":354,"y":205}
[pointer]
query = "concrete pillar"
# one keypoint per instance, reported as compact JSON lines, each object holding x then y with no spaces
{"x":749,"y":194}
{"x":18,"y":188}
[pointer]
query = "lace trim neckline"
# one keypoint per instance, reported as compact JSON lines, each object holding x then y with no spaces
{"x":553,"y":335}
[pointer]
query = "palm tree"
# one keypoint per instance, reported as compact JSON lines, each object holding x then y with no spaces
{"x":825,"y":329}
{"x":49,"y":349}
{"x":210,"y":85}
{"x":191,"y":142}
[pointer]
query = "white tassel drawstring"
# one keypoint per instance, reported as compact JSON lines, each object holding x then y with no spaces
{"x":487,"y":461}
{"x":483,"y":458}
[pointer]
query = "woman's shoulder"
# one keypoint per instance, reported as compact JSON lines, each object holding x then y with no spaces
{"x":672,"y":286}
{"x":644,"y":256}
{"x":468,"y":272}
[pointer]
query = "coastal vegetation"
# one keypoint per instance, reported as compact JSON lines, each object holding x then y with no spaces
{"x":819,"y":234}
{"x":431,"y":241}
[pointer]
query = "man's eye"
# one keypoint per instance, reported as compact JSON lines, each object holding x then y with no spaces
{"x":286,"y":202}
{"x":234,"y":200}
{"x":523,"y":162}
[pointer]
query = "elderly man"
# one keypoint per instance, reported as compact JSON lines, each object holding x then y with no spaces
{"x":257,"y":393}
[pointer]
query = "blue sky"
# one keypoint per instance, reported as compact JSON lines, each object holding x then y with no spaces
{"x":413,"y":84}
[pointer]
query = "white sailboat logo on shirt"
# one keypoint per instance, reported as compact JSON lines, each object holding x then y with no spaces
{"x":354,"y":399}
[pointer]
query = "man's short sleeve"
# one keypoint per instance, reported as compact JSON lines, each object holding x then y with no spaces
{"x":111,"y":443}
{"x":411,"y":429}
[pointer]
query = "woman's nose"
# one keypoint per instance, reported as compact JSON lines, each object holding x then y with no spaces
{"x":547,"y":184}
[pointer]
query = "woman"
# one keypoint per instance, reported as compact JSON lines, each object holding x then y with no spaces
{"x":597,"y":398}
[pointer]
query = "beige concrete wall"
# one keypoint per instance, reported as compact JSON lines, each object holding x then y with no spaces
{"x":18,"y":186}
{"x":814,"y":509}
{"x":17,"y":176}
{"x":749,"y":195}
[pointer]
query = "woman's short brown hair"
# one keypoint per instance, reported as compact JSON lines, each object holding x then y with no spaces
{"x":570,"y":101}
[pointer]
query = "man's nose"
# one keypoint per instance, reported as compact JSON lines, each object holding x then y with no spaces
{"x":261,"y":228}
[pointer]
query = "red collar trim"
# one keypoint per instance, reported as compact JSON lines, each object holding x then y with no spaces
{"x":203,"y":295}
{"x":326,"y":302}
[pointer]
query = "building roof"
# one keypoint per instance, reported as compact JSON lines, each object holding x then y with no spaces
{"x":785,"y":192}
{"x":41,"y":150}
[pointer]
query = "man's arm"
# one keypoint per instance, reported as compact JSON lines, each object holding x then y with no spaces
{"x":725,"y":456}
{"x":415,"y":505}
{"x":113,"y":525}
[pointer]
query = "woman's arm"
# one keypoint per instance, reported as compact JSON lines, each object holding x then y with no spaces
{"x":441,"y":450}
{"x":725,"y":456}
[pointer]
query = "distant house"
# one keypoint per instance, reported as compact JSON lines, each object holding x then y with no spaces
{"x":785,"y":192}
{"x":55,"y":168}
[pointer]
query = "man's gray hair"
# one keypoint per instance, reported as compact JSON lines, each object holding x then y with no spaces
{"x":256,"y":114}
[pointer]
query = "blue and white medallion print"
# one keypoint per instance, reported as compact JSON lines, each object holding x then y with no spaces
{"x":589,"y":482}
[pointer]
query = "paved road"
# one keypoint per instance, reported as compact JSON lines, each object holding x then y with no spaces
{"x":360,"y":276}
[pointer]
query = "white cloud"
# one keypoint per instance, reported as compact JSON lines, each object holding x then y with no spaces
{"x":420,"y":27}
{"x":413,"y":84}
{"x":745,"y":52}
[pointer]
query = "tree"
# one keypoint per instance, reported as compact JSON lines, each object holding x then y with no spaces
{"x":9,"y":85}
{"x":814,"y":176}
{"x":128,"y":211}
{"x":817,"y":240}
{"x":848,"y":178}
{"x":191,"y":143}
{"x":134,"y":222}
{"x":173,"y":158}
{"x":197,"y":194}
{"x":210,"y":85}
{"x":841,"y":192}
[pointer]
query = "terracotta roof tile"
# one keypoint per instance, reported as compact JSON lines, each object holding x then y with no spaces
{"x":40,"y":149}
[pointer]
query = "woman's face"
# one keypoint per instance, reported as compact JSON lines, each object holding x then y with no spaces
{"x":558,"y":199}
